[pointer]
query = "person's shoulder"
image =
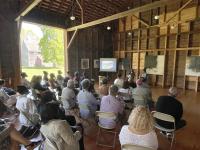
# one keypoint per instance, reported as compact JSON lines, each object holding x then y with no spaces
{"x":124,"y":129}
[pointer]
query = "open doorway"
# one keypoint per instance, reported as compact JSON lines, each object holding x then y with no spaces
{"x":42,"y":49}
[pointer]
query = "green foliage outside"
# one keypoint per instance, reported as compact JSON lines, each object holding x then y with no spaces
{"x":52,"y":46}
{"x":39,"y":71}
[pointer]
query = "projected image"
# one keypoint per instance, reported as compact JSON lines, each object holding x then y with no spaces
{"x":108,"y":64}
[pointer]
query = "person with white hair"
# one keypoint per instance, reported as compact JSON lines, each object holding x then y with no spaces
{"x":68,"y":96}
{"x":170,"y":105}
{"x":140,"y":129}
{"x":86,"y":100}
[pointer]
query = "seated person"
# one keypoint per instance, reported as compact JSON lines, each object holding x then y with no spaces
{"x":111,"y":103}
{"x":44,"y":81}
{"x":59,"y":78}
{"x":36,"y":84}
{"x":86,"y":100}
{"x":68,"y":96}
{"x":131,"y":77}
{"x":125,"y":91}
{"x":10,"y":138}
{"x":8,"y":100}
{"x":77,"y":79}
{"x":103,"y":89}
{"x":57,"y":132}
{"x":140,"y":130}
{"x":170,"y":105}
{"x":24,"y":81}
{"x":119,"y":81}
{"x":28,"y":111}
{"x":52,"y":82}
{"x":142,"y":94}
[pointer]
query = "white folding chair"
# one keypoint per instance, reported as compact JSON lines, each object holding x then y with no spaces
{"x":106,"y":115}
{"x":166,"y":118}
{"x":134,"y":147}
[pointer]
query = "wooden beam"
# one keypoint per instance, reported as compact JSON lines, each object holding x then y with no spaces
{"x":28,"y":8}
{"x":178,"y":11}
{"x":71,"y":40}
{"x":124,"y":14}
{"x":140,"y":20}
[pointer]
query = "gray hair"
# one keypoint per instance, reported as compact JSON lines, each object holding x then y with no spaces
{"x":85,"y":84}
{"x":173,"y":91}
{"x":70,"y":84}
{"x":113,"y":90}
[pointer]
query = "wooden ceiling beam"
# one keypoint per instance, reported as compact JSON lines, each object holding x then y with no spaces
{"x":124,"y":14}
{"x":27,"y":8}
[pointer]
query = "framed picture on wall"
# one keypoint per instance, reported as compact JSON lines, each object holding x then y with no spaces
{"x":96,"y":63}
{"x":85,"y":64}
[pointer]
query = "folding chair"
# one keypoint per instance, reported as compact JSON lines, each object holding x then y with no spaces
{"x":134,"y":147}
{"x":106,"y":115}
{"x":166,"y":118}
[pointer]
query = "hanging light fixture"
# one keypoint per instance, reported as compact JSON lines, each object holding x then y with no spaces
{"x":72,"y":17}
{"x":156,"y":17}
{"x":108,"y":28}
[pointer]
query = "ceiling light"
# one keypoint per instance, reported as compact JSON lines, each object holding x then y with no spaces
{"x":156,"y":17}
{"x":108,"y":28}
{"x":172,"y":26}
{"x":128,"y":7}
{"x":72,"y":17}
{"x":129,"y":33}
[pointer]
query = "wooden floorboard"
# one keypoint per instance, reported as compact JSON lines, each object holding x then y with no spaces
{"x":187,"y":138}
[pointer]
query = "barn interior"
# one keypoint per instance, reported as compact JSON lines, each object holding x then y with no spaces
{"x":130,"y":31}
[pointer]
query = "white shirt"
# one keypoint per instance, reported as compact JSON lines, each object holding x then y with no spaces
{"x":27,"y":106}
{"x":147,"y":140}
{"x":87,"y":103}
{"x":68,"y":98}
{"x":119,"y":82}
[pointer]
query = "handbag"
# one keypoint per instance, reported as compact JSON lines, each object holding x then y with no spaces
{"x":30,"y":131}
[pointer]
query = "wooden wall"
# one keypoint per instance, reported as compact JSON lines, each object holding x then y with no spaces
{"x":9,"y":48}
{"x":92,"y":43}
{"x":176,"y":40}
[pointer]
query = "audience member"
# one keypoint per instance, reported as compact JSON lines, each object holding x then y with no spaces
{"x":119,"y":81}
{"x":125,"y":91}
{"x":8,"y":100}
{"x":10,"y":138}
{"x":36,"y":83}
{"x":111,"y":103}
{"x":45,"y":80}
{"x":144,"y":75}
{"x":60,"y":78}
{"x":103,"y":89}
{"x":28,"y":111}
{"x":24,"y":81}
{"x":140,"y":130}
{"x":52,"y":82}
{"x":170,"y":105}
{"x":131,"y":79}
{"x":57,"y":132}
{"x":141,"y":93}
{"x":68,"y":96}
{"x":76,"y":79}
{"x":86,"y":100}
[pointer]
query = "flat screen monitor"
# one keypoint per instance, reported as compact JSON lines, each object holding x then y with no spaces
{"x":108,"y":64}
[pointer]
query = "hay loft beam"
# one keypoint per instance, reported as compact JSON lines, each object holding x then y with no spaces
{"x":27,"y":8}
{"x":124,"y":14}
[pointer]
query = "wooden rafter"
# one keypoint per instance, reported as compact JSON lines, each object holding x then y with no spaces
{"x":178,"y":11}
{"x":27,"y":8}
{"x":124,"y":14}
